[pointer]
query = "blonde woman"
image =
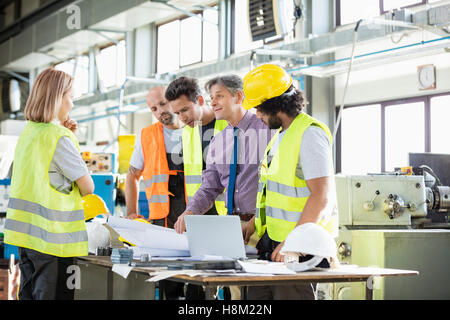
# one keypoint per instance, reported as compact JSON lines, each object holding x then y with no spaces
{"x":45,"y":217}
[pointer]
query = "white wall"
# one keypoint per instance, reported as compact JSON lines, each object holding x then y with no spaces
{"x":389,"y":81}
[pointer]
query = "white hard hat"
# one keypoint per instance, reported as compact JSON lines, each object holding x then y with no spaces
{"x":308,"y":239}
{"x":98,"y":235}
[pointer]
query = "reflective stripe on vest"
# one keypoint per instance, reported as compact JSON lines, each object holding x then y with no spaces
{"x":49,"y":214}
{"x":55,"y":238}
{"x":281,"y":214}
{"x":280,"y":207}
{"x":159,"y":198}
{"x":155,"y":179}
{"x":294,"y":192}
{"x":193,"y":179}
{"x":193,"y":162}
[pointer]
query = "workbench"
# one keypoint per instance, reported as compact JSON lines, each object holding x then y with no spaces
{"x":343,"y":274}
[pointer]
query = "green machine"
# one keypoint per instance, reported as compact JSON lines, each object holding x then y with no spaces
{"x":395,"y":221}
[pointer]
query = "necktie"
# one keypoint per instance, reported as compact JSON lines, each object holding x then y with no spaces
{"x":232,"y":177}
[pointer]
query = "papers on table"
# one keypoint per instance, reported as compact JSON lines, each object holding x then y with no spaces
{"x":265,"y":267}
{"x":150,"y":239}
{"x":122,"y":269}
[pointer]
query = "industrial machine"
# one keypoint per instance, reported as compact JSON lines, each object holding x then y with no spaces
{"x":395,"y":220}
{"x":102,"y":167}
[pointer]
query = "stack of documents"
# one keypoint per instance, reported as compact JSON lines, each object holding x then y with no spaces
{"x":149,"y":239}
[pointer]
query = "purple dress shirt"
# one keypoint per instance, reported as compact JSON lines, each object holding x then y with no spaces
{"x":253,"y":137}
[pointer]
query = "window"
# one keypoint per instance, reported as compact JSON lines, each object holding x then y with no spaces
{"x":210,"y":35}
{"x":397,"y":4}
{"x":168,"y":47}
{"x":440,"y":113}
{"x":111,"y":64}
{"x":350,"y":11}
{"x":395,"y":128}
{"x":405,"y":132}
{"x":353,"y":10}
{"x":190,"y":41}
{"x":187,"y":41}
{"x":361,"y":139}
{"x":78,"y":68}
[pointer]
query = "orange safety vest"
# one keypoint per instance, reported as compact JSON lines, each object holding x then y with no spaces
{"x":156,"y":172}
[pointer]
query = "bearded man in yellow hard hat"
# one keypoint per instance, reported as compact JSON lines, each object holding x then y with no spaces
{"x":296,"y":181}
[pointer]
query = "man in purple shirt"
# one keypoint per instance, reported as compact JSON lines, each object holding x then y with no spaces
{"x":252,"y":138}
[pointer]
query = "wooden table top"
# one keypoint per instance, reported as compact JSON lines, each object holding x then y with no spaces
{"x":343,"y":274}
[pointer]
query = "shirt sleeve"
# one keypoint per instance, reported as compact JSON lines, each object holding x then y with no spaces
{"x":210,"y":188}
{"x":315,"y":155}
{"x":68,"y":160}
{"x":137,"y":157}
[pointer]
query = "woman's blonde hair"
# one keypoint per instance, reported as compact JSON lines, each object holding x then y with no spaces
{"x":46,"y":96}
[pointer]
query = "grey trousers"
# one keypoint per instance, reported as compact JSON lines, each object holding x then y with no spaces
{"x":43,"y":276}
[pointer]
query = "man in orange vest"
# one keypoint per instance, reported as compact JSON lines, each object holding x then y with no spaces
{"x":157,"y":157}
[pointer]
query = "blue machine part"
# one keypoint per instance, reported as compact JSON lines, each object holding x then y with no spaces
{"x":8,"y":250}
{"x":105,"y":187}
{"x":5,"y":182}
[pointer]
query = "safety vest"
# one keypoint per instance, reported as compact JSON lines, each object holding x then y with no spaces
{"x":39,"y":217}
{"x":193,"y":162}
{"x":280,"y":208}
{"x":156,"y":171}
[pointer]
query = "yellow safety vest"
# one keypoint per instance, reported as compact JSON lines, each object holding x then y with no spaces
{"x":193,"y":162}
{"x":38,"y":216}
{"x":280,"y":208}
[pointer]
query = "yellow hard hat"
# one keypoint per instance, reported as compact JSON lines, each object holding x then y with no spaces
{"x":93,"y":205}
{"x":264,"y":82}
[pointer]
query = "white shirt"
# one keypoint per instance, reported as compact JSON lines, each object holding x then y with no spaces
{"x":172,"y":142}
{"x":66,"y":166}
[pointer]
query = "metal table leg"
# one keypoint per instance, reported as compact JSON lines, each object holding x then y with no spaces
{"x":152,"y":286}
{"x":110,"y":285}
{"x":369,"y":288}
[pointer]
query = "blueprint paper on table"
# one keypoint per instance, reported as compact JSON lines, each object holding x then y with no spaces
{"x":265,"y":267}
{"x":151,"y":239}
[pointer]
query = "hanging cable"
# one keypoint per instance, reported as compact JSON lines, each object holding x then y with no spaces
{"x":297,"y":14}
{"x":341,"y":108}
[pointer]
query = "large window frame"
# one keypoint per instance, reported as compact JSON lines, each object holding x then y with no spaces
{"x":381,"y":8}
{"x":73,"y":68}
{"x":119,"y":80}
{"x":386,"y":104}
{"x":202,"y":51}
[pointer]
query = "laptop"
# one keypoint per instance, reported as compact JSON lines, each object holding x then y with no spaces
{"x":215,"y":236}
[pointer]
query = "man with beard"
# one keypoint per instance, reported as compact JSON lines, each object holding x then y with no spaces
{"x":296,"y":180}
{"x":157,"y":157}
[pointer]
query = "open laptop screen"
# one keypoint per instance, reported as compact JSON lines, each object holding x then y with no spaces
{"x":215,"y":235}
